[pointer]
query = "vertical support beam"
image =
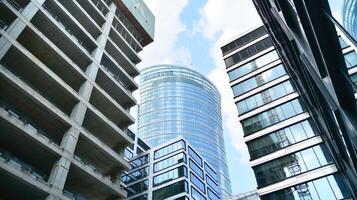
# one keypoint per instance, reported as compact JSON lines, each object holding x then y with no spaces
{"x":61,"y":168}
{"x":16,"y":28}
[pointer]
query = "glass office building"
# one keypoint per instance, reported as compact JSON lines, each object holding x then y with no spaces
{"x":320,"y":55}
{"x":349,"y":14}
{"x":289,"y":155}
{"x":178,"y":101}
{"x":173,"y":170}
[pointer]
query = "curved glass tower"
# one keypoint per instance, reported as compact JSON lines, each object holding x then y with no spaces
{"x":349,"y":16}
{"x":177,"y":101}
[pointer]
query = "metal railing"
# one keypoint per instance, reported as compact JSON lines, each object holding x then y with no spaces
{"x":94,"y":169}
{"x":125,"y":35}
{"x":69,"y":31}
{"x":116,"y":77}
{"x":13,"y":113}
{"x":22,"y":166}
{"x":73,"y":196}
{"x":15,"y":5}
{"x":3,"y":25}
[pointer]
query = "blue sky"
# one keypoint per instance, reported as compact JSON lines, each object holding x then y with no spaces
{"x":190,"y":33}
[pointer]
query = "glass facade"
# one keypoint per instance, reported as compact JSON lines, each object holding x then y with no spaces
{"x":170,"y":175}
{"x":137,"y":188}
{"x":142,"y":197}
{"x":264,"y":97}
{"x":210,"y":172}
{"x":327,"y":188}
{"x":351,"y":59}
{"x":280,"y":139}
{"x":253,"y":65}
{"x":258,"y":80}
{"x":196,"y":194}
{"x":170,"y":190}
{"x":272,"y":116}
{"x":196,"y":169}
{"x":169,"y":149}
{"x":212,"y":184}
{"x":195,"y":156}
{"x":248,"y":52}
{"x":168,"y":162}
{"x":265,"y":135}
{"x":136,"y":175}
{"x":164,"y":175}
{"x":292,"y":165}
{"x":177,"y":101}
{"x":197,"y":182}
{"x":212,"y":195}
{"x":239,"y":42}
{"x":139,"y":161}
{"x":349,"y":21}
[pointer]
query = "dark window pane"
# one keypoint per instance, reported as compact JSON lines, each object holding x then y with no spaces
{"x":170,"y":190}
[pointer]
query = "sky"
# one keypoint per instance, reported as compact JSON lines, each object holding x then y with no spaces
{"x":191,"y":33}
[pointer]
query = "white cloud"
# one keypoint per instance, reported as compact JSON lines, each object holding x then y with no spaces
{"x":221,"y":20}
{"x":168,"y":27}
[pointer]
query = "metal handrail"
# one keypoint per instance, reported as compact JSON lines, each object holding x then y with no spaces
{"x":2,"y":25}
{"x":19,"y":164}
{"x":67,"y":29}
{"x":15,"y":5}
{"x":13,"y":113}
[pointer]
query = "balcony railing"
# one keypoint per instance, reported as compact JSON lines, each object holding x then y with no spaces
{"x":101,"y":6}
{"x":15,"y":5}
{"x":116,"y":77}
{"x":13,"y":113}
{"x":71,"y":33}
{"x":22,"y":166}
{"x":73,"y":196}
{"x":95,"y":170}
{"x":3,"y":25}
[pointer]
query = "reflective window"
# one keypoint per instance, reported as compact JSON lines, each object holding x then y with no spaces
{"x":353,"y":78}
{"x":197,"y":182}
{"x":170,"y":190}
{"x":253,"y":65}
{"x":196,"y":194}
{"x":343,"y":43}
{"x":139,"y":161}
{"x":195,"y":156}
{"x":169,"y":149}
{"x":212,"y":195}
{"x":248,"y":52}
{"x":210,"y":171}
{"x":272,"y":116}
{"x":142,"y":197}
{"x":136,"y":175}
{"x":127,"y":154}
{"x":280,"y":139}
{"x":168,"y":162}
{"x":241,"y":41}
{"x":292,"y":165}
{"x":137,"y":188}
{"x":351,"y":59}
{"x":196,"y":168}
{"x":183,"y":198}
{"x":170,"y":175}
{"x":265,"y":97}
{"x":212,"y":184}
{"x":258,"y":80}
{"x":331,"y":187}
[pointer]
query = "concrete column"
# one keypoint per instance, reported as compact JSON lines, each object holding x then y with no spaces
{"x":16,"y":28}
{"x":61,"y":168}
